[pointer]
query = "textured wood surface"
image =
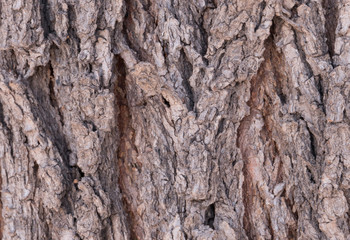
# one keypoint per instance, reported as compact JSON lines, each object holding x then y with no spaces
{"x":196,"y":119}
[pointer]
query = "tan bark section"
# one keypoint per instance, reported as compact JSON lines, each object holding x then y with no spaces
{"x":174,"y":119}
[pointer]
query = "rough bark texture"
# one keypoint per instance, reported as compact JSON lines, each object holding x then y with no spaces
{"x":172,"y":119}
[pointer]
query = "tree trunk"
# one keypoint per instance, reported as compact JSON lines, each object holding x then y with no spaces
{"x":194,"y":119}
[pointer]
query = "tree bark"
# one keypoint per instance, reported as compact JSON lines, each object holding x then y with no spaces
{"x":197,"y":119}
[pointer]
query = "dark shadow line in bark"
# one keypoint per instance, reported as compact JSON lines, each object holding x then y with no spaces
{"x":292,"y":229}
{"x":72,"y":31}
{"x":38,"y":88}
{"x":310,"y":175}
{"x":220,"y":127}
{"x":166,"y":102}
{"x":0,"y":13}
{"x":186,"y":69}
{"x":331,"y":16}
{"x":319,"y":85}
{"x":262,"y":7}
{"x":45,"y":106}
{"x":7,"y":129}
{"x":209,"y":216}
{"x":313,"y":144}
{"x":126,"y":134}
{"x":4,"y":125}
{"x":203,"y":36}
{"x":45,"y":17}
{"x":277,"y":70}
{"x":128,"y":31}
{"x":52,"y":94}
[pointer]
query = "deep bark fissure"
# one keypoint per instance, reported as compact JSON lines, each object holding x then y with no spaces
{"x":186,"y":70}
{"x":320,"y":87}
{"x":269,"y":75}
{"x":292,"y":229}
{"x":128,"y":31}
{"x":43,"y":103}
{"x":331,"y":16}
{"x":248,"y":187}
{"x":262,"y":6}
{"x":72,"y":29}
{"x":166,"y":102}
{"x":204,"y":35}
{"x":220,"y":127}
{"x":52,"y":95}
{"x":6,"y":128}
{"x":313,"y":146}
{"x":210,"y":216}
{"x":38,"y":85}
{"x":310,"y":175}
{"x":3,"y":125}
{"x":254,"y":103}
{"x":124,"y":120}
{"x":45,"y":17}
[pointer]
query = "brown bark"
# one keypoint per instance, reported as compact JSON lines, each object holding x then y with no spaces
{"x":144,"y":119}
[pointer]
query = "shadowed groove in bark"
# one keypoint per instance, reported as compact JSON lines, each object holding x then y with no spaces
{"x":262,"y":6}
{"x":72,"y":31}
{"x":269,"y":79}
{"x":292,"y":229}
{"x":319,"y":82}
{"x":8,"y":61}
{"x":203,"y":35}
{"x":186,"y":69}
{"x":125,"y":139}
{"x":313,"y":144}
{"x":52,"y":95}
{"x":6,"y":128}
{"x":210,"y":216}
{"x":45,"y":17}
{"x":248,"y":187}
{"x":4,"y":125}
{"x":40,"y":85}
{"x":244,"y":136}
{"x":220,"y":127}
{"x":129,"y":30}
{"x":331,"y":15}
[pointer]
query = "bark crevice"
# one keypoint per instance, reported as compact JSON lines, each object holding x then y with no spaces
{"x":126,"y":133}
{"x":45,"y":17}
{"x":210,"y":216}
{"x":186,"y":70}
{"x":72,"y":29}
{"x":331,"y":17}
{"x":42,"y":89}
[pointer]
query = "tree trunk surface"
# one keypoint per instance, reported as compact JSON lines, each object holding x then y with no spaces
{"x":175,"y":119}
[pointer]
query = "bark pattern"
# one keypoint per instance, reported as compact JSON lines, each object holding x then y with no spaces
{"x":198,"y":119}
